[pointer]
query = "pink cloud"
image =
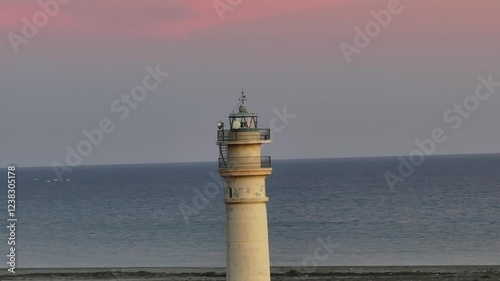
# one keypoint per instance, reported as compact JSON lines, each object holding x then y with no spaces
{"x":12,"y":16}
{"x":213,"y":13}
{"x":151,"y":18}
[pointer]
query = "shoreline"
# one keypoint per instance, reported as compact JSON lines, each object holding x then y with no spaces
{"x":360,"y":273}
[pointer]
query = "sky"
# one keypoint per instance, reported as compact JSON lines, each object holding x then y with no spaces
{"x":66,"y":66}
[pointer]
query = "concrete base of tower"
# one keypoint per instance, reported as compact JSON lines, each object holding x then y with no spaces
{"x":247,"y":242}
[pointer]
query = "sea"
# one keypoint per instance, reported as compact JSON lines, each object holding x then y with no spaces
{"x":321,"y":212}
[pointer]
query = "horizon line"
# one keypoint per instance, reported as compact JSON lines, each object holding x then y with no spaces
{"x":277,"y":159}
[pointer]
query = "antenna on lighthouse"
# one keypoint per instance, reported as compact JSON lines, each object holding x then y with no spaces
{"x":243,"y":97}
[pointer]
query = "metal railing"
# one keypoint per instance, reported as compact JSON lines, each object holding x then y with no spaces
{"x":223,"y":135}
{"x":265,"y":134}
{"x":250,"y":162}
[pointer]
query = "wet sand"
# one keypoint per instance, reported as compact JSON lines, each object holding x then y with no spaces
{"x":374,"y":273}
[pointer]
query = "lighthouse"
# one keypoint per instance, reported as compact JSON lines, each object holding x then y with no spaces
{"x":245,"y":171}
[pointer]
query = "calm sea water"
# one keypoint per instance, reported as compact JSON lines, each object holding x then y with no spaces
{"x":447,"y":213}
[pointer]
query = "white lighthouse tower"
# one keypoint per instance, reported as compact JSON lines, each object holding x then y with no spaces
{"x":245,"y":172}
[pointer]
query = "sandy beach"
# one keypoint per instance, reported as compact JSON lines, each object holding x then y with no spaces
{"x":399,"y":273}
